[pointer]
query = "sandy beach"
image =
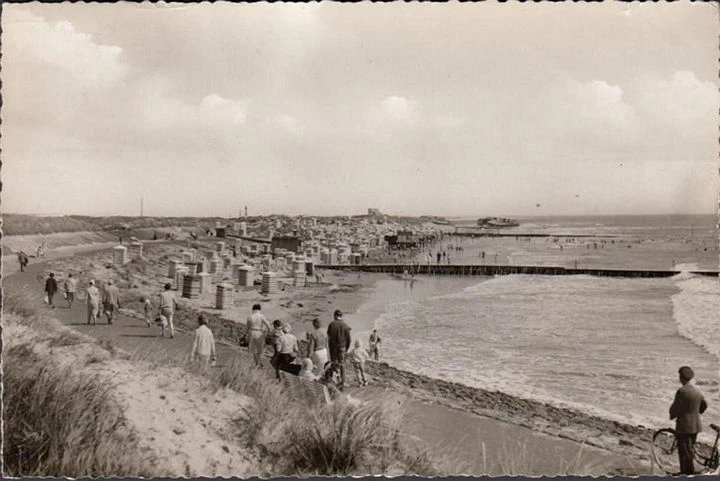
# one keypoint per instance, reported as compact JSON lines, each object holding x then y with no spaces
{"x":502,"y":423}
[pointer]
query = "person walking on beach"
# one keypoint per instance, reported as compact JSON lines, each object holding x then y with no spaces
{"x":274,"y":341}
{"x":203,"y":349}
{"x":51,"y":288}
{"x":168,"y":303}
{"x":93,"y":303}
{"x":256,"y":329}
{"x":147,"y":310}
{"x":70,"y":289}
{"x":373,"y":344}
{"x":686,"y":409}
{"x":358,"y":356}
{"x":287,"y":348}
{"x":338,"y":341}
{"x":23,"y":260}
{"x":318,"y":346}
{"x":111,"y":301}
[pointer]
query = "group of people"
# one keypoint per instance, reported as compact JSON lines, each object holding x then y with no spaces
{"x":327,"y":351}
{"x":324,"y":360}
{"x":105,"y":301}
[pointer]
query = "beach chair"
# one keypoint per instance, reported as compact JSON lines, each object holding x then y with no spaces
{"x":308,"y":392}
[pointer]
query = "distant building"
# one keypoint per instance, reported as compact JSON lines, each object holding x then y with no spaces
{"x":404,"y":239}
{"x":374,"y":212}
{"x":289,"y":243}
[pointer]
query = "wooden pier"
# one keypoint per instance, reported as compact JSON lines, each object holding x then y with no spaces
{"x":496,"y":233}
{"x":493,"y":270}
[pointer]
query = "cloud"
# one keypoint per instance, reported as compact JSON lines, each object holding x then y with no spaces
{"x":61,"y":46}
{"x":288,"y":123}
{"x":645,"y":118}
{"x":678,"y":105}
{"x":399,"y":108}
{"x":217,"y":108}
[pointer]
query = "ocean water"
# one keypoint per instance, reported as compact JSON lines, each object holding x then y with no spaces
{"x":605,"y":346}
{"x":637,"y":242}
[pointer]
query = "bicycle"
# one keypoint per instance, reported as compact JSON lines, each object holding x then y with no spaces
{"x":665,"y":452}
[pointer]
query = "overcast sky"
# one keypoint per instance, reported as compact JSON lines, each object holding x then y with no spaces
{"x":444,"y":109}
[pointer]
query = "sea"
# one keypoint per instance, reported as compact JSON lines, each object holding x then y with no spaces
{"x":605,"y":346}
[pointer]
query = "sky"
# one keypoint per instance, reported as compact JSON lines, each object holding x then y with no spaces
{"x":329,"y":109}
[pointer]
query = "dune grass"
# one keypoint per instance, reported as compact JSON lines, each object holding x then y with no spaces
{"x":346,"y":437}
{"x":519,"y":460}
{"x":57,"y":422}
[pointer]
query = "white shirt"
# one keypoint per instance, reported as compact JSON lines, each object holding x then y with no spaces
{"x":204,"y":344}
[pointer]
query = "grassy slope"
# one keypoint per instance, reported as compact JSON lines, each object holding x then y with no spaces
{"x":21,"y":224}
{"x":55,"y":421}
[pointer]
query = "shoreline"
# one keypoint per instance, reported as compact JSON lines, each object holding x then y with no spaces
{"x":561,"y":422}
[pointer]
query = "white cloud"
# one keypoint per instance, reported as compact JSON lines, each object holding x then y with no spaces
{"x":288,"y":123}
{"x":217,"y":108}
{"x":399,"y":108}
{"x":61,"y":46}
{"x":681,"y":103}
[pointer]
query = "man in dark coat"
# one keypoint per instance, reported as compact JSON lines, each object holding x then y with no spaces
{"x":23,"y":260}
{"x":689,"y":403}
{"x":338,"y":341}
{"x":51,"y":288}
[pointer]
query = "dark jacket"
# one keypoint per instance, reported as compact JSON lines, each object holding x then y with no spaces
{"x":51,"y":285}
{"x":338,"y":335}
{"x":689,"y":403}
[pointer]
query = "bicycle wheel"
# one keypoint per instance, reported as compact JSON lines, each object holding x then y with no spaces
{"x":664,"y":450}
{"x":706,"y":457}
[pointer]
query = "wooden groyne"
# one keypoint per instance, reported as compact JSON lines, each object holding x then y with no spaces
{"x":493,"y":270}
{"x":529,"y":234}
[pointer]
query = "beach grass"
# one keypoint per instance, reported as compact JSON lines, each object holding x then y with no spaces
{"x":57,"y":422}
{"x":345,"y":437}
{"x":518,"y":459}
